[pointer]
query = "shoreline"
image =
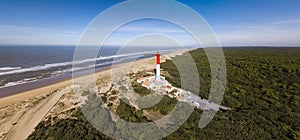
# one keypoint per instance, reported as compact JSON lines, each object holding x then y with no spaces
{"x":12,"y":90}
{"x":46,"y":86}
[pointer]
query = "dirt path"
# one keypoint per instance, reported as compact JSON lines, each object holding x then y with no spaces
{"x":32,"y":117}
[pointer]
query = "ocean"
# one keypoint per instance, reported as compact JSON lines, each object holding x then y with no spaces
{"x":21,"y":65}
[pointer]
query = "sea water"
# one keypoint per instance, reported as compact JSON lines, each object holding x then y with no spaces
{"x":23,"y":64}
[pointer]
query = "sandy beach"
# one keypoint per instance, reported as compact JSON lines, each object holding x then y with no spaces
{"x":42,"y":100}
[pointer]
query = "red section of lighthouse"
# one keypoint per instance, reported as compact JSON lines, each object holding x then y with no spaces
{"x":157,"y":58}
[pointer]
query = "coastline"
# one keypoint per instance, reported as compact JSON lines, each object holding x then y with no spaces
{"x":31,"y":90}
{"x":44,"y":87}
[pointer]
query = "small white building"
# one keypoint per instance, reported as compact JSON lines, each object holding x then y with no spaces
{"x":177,"y":93}
{"x":141,"y":80}
{"x":196,"y":104}
{"x":169,"y":88}
{"x":146,"y":84}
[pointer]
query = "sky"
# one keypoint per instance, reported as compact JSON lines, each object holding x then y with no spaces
{"x":235,"y":22}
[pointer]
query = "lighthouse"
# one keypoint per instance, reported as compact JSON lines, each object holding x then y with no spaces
{"x":157,"y":76}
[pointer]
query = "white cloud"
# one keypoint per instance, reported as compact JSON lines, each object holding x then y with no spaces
{"x":151,"y":39}
{"x":32,"y":29}
{"x":264,"y":26}
{"x":286,"y":22}
{"x":153,"y":29}
{"x":21,"y":35}
{"x":279,"y":33}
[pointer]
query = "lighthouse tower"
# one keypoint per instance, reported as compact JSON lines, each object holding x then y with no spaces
{"x":158,"y":80}
{"x":157,"y":76}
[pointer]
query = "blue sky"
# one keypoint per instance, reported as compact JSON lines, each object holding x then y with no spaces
{"x":235,"y":22}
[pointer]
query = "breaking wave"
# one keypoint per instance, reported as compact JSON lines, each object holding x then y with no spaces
{"x":17,"y":70}
{"x":9,"y":68}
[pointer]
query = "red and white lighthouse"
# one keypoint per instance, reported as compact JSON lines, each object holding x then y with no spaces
{"x":157,"y":76}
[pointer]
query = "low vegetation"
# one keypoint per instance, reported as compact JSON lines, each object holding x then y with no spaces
{"x":130,"y":113}
{"x":165,"y":106}
{"x":67,"y":129}
{"x":138,"y":88}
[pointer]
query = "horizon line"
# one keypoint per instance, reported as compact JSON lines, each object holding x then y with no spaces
{"x":195,"y":46}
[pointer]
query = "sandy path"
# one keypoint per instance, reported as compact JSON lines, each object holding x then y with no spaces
{"x":32,"y":117}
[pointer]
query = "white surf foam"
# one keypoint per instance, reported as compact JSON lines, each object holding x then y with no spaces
{"x":9,"y":68}
{"x":54,"y":65}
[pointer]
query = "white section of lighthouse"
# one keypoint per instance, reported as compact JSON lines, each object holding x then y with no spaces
{"x":157,"y":76}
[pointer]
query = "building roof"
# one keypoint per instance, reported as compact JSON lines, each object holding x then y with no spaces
{"x":141,"y":79}
{"x":147,"y":83}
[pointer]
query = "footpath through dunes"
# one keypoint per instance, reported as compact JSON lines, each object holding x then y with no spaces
{"x":31,"y":118}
